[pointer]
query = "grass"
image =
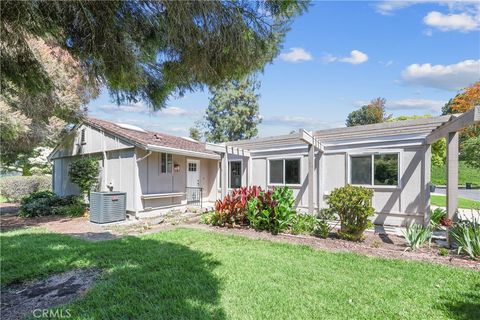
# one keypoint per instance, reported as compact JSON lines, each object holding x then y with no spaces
{"x":441,"y":201}
{"x":192,"y":274}
{"x":3,"y":199}
{"x":465,"y":174}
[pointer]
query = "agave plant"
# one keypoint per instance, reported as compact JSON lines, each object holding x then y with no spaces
{"x":416,"y":235}
{"x":467,"y":237}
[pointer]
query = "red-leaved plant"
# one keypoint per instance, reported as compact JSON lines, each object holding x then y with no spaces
{"x":446,"y":222}
{"x":233,"y":208}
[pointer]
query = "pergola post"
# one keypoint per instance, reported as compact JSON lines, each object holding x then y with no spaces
{"x":452,"y":174}
{"x":311,"y":170}
{"x":223,"y":174}
{"x":249,"y":171}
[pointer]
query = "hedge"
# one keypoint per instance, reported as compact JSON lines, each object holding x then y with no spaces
{"x":16,"y":187}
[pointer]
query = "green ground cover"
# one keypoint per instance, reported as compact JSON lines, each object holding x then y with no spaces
{"x":465,"y":174}
{"x":441,"y":201}
{"x":191,"y":274}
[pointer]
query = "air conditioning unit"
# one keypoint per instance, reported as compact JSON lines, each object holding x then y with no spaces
{"x":107,"y":207}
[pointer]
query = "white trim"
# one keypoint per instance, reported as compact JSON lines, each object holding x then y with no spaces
{"x":229,"y":187}
{"x":293,"y":185}
{"x":295,"y":147}
{"x":182,"y":152}
{"x":386,"y":146}
{"x":372,"y":153}
{"x":400,"y":138}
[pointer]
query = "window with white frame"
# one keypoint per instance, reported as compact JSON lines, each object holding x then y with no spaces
{"x":235,"y":174}
{"x":284,"y":171}
{"x":377,"y":169}
{"x":166,"y":162}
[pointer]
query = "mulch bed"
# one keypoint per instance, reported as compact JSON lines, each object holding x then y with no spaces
{"x":375,"y":245}
{"x":34,"y":298}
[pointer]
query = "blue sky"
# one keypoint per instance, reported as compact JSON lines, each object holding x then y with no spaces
{"x":340,"y":55}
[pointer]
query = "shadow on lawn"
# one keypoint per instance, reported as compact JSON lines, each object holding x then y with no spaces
{"x":465,"y":309}
{"x":143,"y":278}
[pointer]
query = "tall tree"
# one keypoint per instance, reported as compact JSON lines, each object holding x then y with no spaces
{"x":464,"y":101}
{"x":142,"y":49}
{"x":233,"y":111}
{"x":31,"y":121}
{"x":372,"y":113}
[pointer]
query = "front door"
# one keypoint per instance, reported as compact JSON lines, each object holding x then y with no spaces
{"x":194,"y":192}
{"x":193,"y":173}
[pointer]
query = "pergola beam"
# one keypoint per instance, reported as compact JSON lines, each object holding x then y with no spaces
{"x":464,"y":120}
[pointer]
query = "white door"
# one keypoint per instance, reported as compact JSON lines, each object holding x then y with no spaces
{"x":193,"y":173}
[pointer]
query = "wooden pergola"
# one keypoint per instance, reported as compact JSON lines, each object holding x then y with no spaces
{"x":430,"y":130}
{"x":450,"y":130}
{"x":244,"y":147}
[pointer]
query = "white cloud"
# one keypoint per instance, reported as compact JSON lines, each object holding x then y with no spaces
{"x":139,"y":108}
{"x":452,"y":22}
{"x":448,"y":77}
{"x":296,"y":55}
{"x":415,"y":104}
{"x":356,"y":57}
{"x":297,"y":122}
{"x":174,"y":111}
{"x":388,"y":7}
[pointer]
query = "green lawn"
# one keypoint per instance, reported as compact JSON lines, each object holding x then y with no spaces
{"x":441,"y":201}
{"x":191,"y":274}
{"x":465,"y":174}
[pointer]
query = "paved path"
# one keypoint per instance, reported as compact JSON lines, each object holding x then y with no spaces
{"x":473,"y":194}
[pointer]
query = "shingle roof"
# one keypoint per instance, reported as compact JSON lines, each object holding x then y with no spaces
{"x":143,"y":139}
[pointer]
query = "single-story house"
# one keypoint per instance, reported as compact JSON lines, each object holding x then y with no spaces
{"x":157,"y":170}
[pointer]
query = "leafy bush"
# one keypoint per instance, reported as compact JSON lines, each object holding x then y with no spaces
{"x":44,"y":203}
{"x":353,"y":206}
{"x":467,"y":237}
{"x":443,"y":252}
{"x":272,"y":211}
{"x":416,"y":235}
{"x":14,"y":188}
{"x":233,"y":208}
{"x":303,"y":224}
{"x":84,"y":173}
{"x":37,"y":204}
{"x":322,"y":228}
{"x":436,"y":215}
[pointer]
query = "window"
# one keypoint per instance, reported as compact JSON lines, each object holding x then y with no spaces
{"x":166,"y":163}
{"x":192,"y":167}
{"x":361,"y":169}
{"x":385,"y":169}
{"x":235,"y":174}
{"x":374,"y":169}
{"x":284,"y":171}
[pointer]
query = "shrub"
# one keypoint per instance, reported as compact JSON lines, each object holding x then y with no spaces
{"x":37,"y":204}
{"x":84,"y":173}
{"x":443,"y":252}
{"x":436,"y":215}
{"x":272,"y":211}
{"x":353,"y":206}
{"x":14,"y":188}
{"x":322,"y":227}
{"x":303,"y":224}
{"x":233,"y":208}
{"x":44,"y":203}
{"x":416,"y":235}
{"x":467,"y":236}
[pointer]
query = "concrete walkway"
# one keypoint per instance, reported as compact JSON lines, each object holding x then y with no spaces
{"x":473,"y":194}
